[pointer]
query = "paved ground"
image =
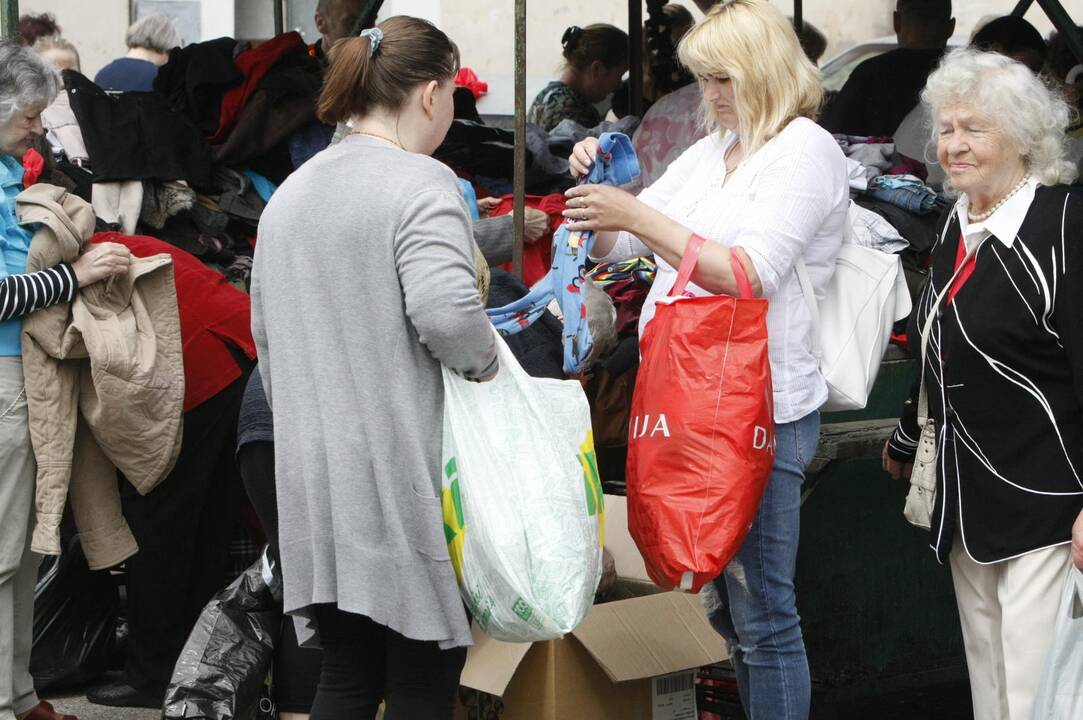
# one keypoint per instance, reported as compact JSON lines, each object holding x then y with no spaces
{"x":76,"y":704}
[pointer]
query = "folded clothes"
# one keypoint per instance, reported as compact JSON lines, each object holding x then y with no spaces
{"x":908,"y":192}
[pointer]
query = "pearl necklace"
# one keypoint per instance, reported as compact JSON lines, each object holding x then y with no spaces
{"x":986,"y":215}
{"x":378,"y":137}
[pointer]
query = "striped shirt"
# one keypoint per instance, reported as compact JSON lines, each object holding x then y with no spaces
{"x":23,"y":294}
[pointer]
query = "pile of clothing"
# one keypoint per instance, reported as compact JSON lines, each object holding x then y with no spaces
{"x":194,"y":162}
{"x":485,"y":154}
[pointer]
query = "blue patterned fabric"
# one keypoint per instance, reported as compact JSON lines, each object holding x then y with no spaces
{"x":618,"y":165}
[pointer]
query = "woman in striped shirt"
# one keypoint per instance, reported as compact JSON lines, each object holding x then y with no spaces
{"x":27,"y":86}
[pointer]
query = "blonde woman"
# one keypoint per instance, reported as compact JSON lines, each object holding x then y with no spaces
{"x":772,"y":182}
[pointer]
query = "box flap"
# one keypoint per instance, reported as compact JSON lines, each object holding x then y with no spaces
{"x":648,"y":636}
{"x":491,"y":664}
{"x":619,"y":541}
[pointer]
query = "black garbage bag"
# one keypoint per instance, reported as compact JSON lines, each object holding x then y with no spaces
{"x":223,"y":668}
{"x":75,"y":618}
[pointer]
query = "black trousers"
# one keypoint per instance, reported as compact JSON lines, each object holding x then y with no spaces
{"x":184,"y":528}
{"x":365,"y":663}
{"x":296,"y":670}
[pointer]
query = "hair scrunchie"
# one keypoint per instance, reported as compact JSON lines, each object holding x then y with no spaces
{"x":570,"y":36}
{"x":375,"y":36}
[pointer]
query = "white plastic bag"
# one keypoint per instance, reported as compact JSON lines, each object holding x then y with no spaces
{"x":1060,"y":693}
{"x":523,"y":509}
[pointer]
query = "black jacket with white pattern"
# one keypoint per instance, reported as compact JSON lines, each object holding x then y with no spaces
{"x":1004,"y":376}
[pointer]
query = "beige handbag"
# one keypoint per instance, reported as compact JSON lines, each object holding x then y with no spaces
{"x":922,"y":496}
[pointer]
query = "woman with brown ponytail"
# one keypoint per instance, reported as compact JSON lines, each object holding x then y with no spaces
{"x":597,"y":58}
{"x":363,"y":287}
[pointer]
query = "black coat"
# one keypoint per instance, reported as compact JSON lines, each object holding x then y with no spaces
{"x":1004,"y":375}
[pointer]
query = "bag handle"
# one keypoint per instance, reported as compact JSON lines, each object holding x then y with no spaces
{"x":688,"y":263}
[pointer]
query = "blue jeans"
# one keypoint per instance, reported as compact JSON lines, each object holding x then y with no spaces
{"x":756,"y":608}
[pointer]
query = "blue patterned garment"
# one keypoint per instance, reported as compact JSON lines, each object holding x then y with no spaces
{"x":566,"y":276}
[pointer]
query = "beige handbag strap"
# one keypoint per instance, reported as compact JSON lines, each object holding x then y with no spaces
{"x":923,"y":398}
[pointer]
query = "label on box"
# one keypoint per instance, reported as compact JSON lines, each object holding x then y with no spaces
{"x":673,"y":697}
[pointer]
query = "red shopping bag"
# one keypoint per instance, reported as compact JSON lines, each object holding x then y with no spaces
{"x":702,"y":436}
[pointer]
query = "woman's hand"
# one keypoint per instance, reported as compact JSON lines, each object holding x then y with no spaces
{"x":487,"y":205}
{"x":894,"y":468}
{"x":536,"y":225}
{"x":599,"y":208}
{"x":101,"y":261}
{"x":582,"y":157}
{"x":1077,"y":542}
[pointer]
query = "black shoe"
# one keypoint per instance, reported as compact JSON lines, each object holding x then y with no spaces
{"x":121,"y":694}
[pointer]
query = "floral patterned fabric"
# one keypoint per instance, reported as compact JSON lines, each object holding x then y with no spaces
{"x":560,"y":102}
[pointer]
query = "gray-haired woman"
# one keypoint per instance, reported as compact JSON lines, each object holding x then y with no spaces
{"x":27,"y":86}
{"x":1003,"y":370}
{"x":149,"y":41}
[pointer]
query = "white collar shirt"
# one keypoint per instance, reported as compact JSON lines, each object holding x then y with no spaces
{"x":1003,"y":224}
{"x":788,"y":200}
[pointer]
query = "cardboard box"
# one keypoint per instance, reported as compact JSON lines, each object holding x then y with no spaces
{"x":632,"y":659}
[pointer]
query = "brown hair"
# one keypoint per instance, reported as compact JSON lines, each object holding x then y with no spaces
{"x":582,"y":46}
{"x":413,"y":51}
{"x":32,"y":27}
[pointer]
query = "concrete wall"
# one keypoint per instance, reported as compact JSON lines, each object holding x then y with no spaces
{"x":96,"y":27}
{"x":483,"y":29}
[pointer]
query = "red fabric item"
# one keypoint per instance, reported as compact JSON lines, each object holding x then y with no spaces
{"x":212,"y":314}
{"x":702,"y":437}
{"x":537,"y":258}
{"x":468,"y":79}
{"x":964,"y":275}
{"x":253,"y":64}
{"x":33,"y":166}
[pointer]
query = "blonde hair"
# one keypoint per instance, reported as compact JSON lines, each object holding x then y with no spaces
{"x":754,"y":44}
{"x":54,"y":42}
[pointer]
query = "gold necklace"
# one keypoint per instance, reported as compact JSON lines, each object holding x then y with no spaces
{"x":981,"y":217}
{"x":378,"y":137}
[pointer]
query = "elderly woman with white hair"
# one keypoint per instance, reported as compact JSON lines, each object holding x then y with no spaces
{"x":765,"y":190}
{"x":1003,"y":370}
{"x":27,"y":86}
{"x":149,"y":40}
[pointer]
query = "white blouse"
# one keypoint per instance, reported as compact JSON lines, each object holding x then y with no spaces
{"x":787,"y":200}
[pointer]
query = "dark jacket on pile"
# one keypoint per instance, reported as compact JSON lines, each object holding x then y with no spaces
{"x":197,"y":77}
{"x":137,"y":136}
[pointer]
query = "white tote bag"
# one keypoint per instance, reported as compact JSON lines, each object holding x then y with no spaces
{"x":522,"y":500}
{"x":1060,"y":693}
{"x":851,"y":326}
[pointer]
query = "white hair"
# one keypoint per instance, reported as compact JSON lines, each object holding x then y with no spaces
{"x":154,"y":32}
{"x":1015,"y":99}
{"x":27,"y":83}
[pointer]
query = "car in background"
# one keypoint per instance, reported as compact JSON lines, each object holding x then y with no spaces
{"x":836,"y":71}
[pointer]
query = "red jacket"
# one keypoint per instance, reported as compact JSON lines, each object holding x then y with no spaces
{"x":254,"y":64}
{"x":213,"y":315}
{"x":537,"y":258}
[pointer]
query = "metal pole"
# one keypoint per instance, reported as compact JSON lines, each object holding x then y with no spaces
{"x":519,"y":218}
{"x":1022,"y":7}
{"x":635,"y":57}
{"x":9,"y":19}
{"x":1062,"y":21}
{"x":799,"y":15}
{"x":280,"y":18}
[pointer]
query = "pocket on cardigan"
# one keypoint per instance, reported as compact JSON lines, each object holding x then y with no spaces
{"x":426,"y":527}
